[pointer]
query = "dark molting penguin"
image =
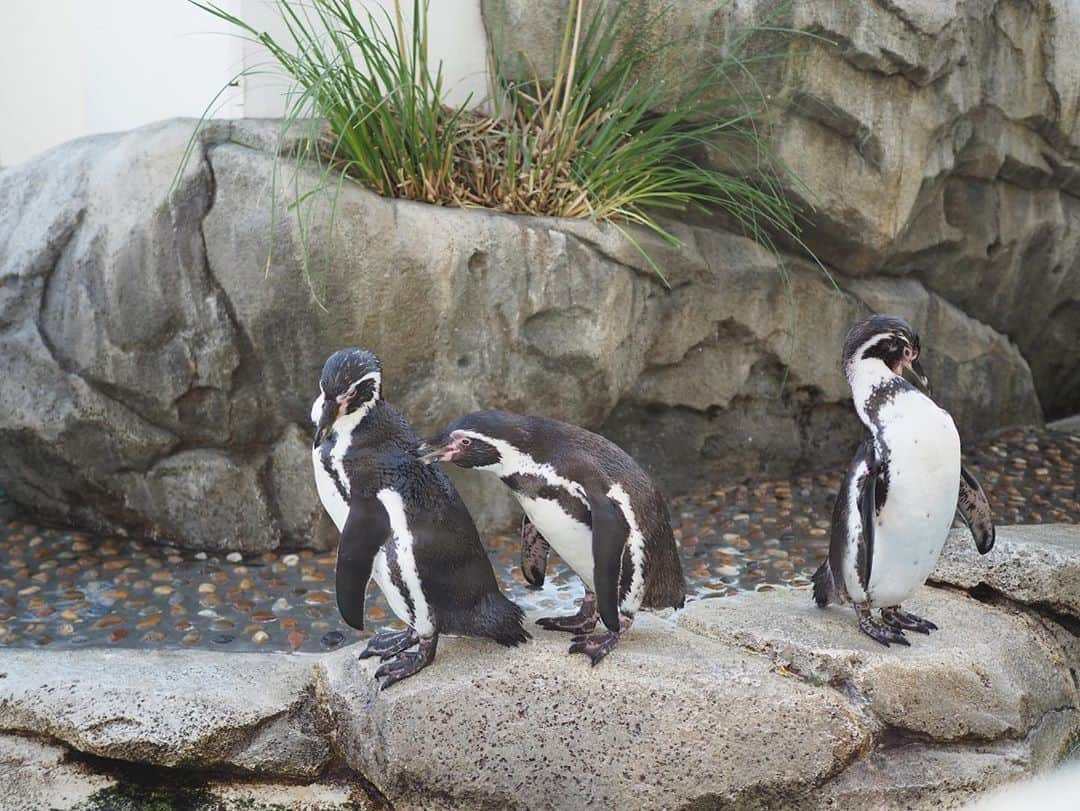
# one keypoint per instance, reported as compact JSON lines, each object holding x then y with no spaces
{"x":588,"y":499}
{"x":898,"y":500}
{"x":401,"y":522}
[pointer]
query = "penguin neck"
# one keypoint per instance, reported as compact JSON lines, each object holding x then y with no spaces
{"x":867,"y":376}
{"x":345,"y":425}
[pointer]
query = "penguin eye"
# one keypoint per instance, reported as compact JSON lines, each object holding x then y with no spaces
{"x":465,"y":441}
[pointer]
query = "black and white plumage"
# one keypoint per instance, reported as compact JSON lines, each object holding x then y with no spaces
{"x":586,"y":498}
{"x":902,"y":489}
{"x":401,"y":522}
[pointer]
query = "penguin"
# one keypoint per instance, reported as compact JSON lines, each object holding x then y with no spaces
{"x":586,"y":497}
{"x":402,"y":523}
{"x":902,"y":489}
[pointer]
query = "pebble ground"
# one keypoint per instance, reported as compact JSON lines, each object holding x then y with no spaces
{"x":64,"y":589}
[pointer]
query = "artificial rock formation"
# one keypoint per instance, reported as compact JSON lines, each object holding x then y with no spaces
{"x":760,"y":700}
{"x":159,"y":370}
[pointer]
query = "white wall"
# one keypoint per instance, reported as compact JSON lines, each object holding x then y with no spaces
{"x":75,"y":67}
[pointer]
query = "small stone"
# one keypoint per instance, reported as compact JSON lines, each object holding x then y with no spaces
{"x":332,"y":639}
{"x":163,"y":590}
{"x":234,"y":557}
{"x":149,"y":622}
{"x":260,"y":637}
{"x":296,"y":639}
{"x":223,"y":639}
{"x":191,"y":637}
{"x":200,"y":556}
{"x":290,"y":560}
{"x":280,"y":605}
{"x":153,"y":636}
{"x":109,"y":621}
{"x":207,"y":588}
{"x":118,"y":634}
{"x":317,"y":597}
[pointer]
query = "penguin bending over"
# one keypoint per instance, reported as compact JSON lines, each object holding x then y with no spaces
{"x":589,"y":500}
{"x":905,"y":484}
{"x":401,"y":522}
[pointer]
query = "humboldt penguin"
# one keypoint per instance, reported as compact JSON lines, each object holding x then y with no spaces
{"x":401,"y":522}
{"x":902,"y":489}
{"x":585,"y":497}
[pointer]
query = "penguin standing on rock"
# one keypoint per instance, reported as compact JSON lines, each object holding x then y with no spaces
{"x":401,"y":522}
{"x":897,"y":502}
{"x":589,"y":500}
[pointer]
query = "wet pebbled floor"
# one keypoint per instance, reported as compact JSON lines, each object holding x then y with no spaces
{"x":63,"y":589}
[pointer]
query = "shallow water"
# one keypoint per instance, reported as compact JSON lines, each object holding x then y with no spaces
{"x":64,"y":589}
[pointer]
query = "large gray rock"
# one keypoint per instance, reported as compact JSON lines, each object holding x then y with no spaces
{"x":170,"y":708}
{"x":667,"y":722}
{"x":37,"y":775}
{"x":1033,"y":565}
{"x":962,"y":682}
{"x":936,"y":140}
{"x":163,"y":347}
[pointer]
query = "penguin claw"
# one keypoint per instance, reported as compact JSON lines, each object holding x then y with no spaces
{"x":407,"y":664}
{"x":905,"y":621}
{"x":880,"y":632}
{"x":595,"y":647}
{"x":389,"y":643}
{"x":575,"y":624}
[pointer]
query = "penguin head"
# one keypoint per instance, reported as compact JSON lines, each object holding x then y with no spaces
{"x":476,"y":440}
{"x":884,"y":339}
{"x":350,"y":385}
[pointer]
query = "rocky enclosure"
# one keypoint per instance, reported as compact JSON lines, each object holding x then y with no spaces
{"x":755,"y":701}
{"x":158,"y":369}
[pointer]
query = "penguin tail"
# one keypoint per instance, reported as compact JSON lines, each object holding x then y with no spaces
{"x":824,"y":589}
{"x":501,"y":619}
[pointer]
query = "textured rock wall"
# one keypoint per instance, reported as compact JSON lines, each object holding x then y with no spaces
{"x":939,"y":141}
{"x":161,"y":370}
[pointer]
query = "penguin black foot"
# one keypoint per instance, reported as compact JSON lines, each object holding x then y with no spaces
{"x":878,"y":630}
{"x":577,"y":624}
{"x":408,"y":664}
{"x":390,"y":643}
{"x":597,"y":646}
{"x":904,"y":621}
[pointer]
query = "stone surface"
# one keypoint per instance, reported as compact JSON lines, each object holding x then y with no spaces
{"x":962,"y":682}
{"x":164,"y":363}
{"x":169,"y":708}
{"x":758,"y":700}
{"x":1033,"y":565}
{"x":937,"y":141}
{"x":534,"y":729}
{"x":38,"y":775}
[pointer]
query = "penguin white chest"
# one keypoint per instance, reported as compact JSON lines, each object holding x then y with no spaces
{"x":332,"y":500}
{"x":923,"y":487}
{"x":570,"y":538}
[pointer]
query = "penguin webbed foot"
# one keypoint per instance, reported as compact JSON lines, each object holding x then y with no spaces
{"x":390,"y":643}
{"x":579,"y":624}
{"x":596,"y":647}
{"x":879,"y":630}
{"x":407,"y":664}
{"x":901,"y":620}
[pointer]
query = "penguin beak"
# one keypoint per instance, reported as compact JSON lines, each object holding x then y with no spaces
{"x":921,"y":381}
{"x":326,"y":421}
{"x":435,"y":450}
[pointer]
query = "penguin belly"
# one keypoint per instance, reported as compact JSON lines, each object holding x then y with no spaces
{"x":924,"y":482}
{"x":570,"y":538}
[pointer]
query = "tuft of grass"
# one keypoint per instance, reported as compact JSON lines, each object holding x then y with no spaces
{"x":601,"y":139}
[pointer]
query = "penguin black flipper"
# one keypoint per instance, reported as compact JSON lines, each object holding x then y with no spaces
{"x":534,"y":553}
{"x":864,"y":560}
{"x":366,"y":529}
{"x":974,"y":509}
{"x":609,"y":535}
